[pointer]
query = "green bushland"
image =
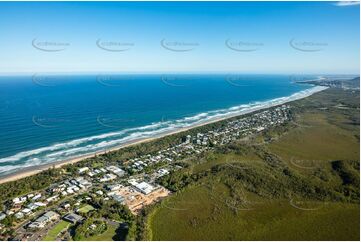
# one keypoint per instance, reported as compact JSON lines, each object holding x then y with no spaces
{"x":113,"y":211}
{"x":212,"y":213}
{"x":299,"y":181}
{"x":29,"y":184}
{"x":90,"y":228}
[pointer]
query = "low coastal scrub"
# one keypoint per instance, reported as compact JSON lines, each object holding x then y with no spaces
{"x":212,"y":211}
{"x":296,"y":188}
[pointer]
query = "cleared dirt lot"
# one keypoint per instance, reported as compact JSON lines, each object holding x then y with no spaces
{"x":136,"y":200}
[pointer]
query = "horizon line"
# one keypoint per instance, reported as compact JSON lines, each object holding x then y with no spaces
{"x":4,"y":74}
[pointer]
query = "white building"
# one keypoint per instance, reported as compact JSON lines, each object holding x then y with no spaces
{"x":144,"y":187}
{"x":36,"y":197}
{"x":19,"y":215}
{"x":116,"y":170}
{"x":82,"y":170}
{"x":114,"y":187}
{"x":163,"y":172}
{"x":41,"y":221}
{"x":107,"y":177}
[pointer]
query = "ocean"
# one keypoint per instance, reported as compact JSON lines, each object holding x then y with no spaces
{"x":49,"y":118}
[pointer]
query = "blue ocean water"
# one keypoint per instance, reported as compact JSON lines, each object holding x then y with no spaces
{"x":48,"y":118}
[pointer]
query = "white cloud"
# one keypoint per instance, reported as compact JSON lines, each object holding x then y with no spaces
{"x":347,"y":3}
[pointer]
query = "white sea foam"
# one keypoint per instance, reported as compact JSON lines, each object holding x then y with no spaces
{"x":78,"y":147}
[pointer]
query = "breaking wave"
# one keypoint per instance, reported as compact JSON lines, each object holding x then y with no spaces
{"x":98,"y":143}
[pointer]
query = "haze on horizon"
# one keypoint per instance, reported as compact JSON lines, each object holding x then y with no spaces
{"x":246,"y":37}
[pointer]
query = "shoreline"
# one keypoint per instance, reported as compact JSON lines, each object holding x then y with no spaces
{"x":29,"y":171}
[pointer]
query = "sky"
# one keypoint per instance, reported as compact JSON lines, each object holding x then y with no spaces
{"x":185,"y":37}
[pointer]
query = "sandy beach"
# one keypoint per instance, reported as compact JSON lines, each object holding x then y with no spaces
{"x":37,"y":169}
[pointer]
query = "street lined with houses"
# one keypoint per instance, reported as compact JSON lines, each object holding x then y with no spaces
{"x":132,"y":183}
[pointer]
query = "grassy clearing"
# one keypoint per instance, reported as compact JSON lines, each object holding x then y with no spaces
{"x":86,"y":209}
{"x":108,"y":235}
{"x":53,"y":233}
{"x":201,"y":213}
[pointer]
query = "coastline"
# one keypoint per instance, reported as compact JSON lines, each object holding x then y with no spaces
{"x":26,"y":172}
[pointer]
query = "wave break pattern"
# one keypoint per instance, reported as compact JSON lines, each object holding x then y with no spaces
{"x":98,"y":143}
